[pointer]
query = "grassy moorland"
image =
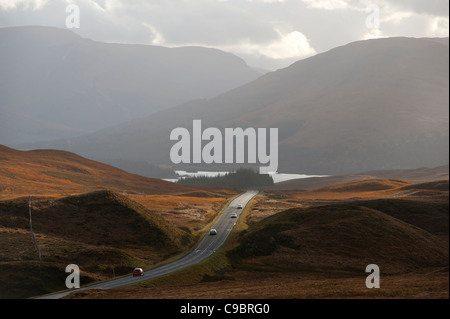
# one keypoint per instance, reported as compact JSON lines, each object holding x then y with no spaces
{"x":304,"y":248}
{"x":105,"y":233}
{"x":287,"y":244}
{"x":60,"y":173}
{"x":103,"y":219}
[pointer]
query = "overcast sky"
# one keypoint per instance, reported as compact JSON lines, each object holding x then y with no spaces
{"x":266,"y":33}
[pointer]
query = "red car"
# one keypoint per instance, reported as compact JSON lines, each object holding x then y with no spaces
{"x":138,"y":272}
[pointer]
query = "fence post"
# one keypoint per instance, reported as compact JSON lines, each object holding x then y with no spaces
{"x":32,"y":232}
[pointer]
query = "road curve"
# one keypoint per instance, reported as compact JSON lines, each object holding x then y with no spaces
{"x":206,"y":248}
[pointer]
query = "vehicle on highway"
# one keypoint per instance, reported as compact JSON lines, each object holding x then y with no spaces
{"x":213,"y":232}
{"x":233,"y":215}
{"x":138,"y":272}
{"x":239,"y":206}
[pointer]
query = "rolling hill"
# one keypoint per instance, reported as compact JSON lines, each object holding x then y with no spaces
{"x":320,"y":249}
{"x":418,"y":175}
{"x":56,"y":84}
{"x":365,"y":186}
{"x":46,"y":172}
{"x":103,"y":219}
{"x":369,"y":105}
{"x":346,"y":237}
{"x":104,"y":233}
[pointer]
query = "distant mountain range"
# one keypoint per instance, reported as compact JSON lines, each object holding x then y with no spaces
{"x":55,"y":84}
{"x":369,"y":105}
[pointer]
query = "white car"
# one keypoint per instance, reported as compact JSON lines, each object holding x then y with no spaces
{"x":239,"y":206}
{"x":233,"y":215}
{"x":213,"y":232}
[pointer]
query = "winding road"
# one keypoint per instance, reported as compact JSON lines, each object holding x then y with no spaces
{"x":208,"y":245}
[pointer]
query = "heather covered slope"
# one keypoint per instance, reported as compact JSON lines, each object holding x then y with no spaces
{"x":297,"y":248}
{"x":344,"y":238}
{"x":101,"y":218}
{"x":369,"y":185}
{"x":103,"y":232}
{"x":59,"y":172}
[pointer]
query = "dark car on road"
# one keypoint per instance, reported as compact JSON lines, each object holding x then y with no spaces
{"x":138,"y":272}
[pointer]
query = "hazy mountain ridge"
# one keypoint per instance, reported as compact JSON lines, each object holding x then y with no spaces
{"x":54,"y":75}
{"x":369,"y":105}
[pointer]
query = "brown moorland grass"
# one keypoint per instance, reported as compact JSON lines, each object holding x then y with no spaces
{"x":184,"y":210}
{"x":102,"y":218}
{"x":103,"y":232}
{"x":409,"y":217}
{"x":318,"y":251}
{"x":276,"y":201}
{"x":430,"y":284}
{"x":52,"y":172}
{"x":343,"y":237}
{"x":419,"y":175}
{"x":360,"y":189}
{"x":366,"y":186}
{"x":98,"y":218}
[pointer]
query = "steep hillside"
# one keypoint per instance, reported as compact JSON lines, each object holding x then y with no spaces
{"x":103,"y":232}
{"x":97,"y":218}
{"x":339,"y":238}
{"x":376,"y":104}
{"x":432,"y":217}
{"x":58,"y":172}
{"x":65,"y":85}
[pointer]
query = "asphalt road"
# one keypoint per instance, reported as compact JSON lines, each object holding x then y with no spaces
{"x":208,"y":245}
